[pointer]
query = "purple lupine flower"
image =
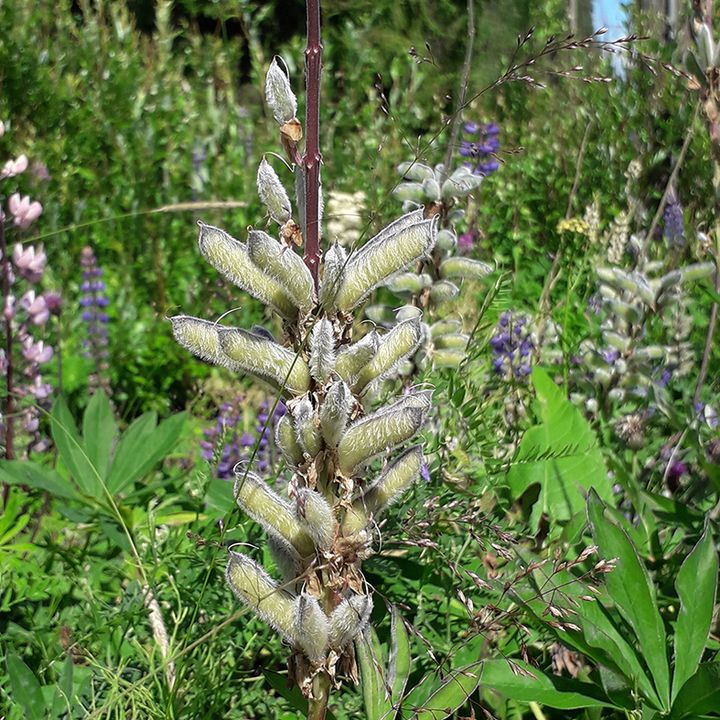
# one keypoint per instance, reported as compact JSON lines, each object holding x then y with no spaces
{"x":512,"y":346}
{"x":594,"y":304}
{"x":466,"y":242}
{"x":93,"y":303}
{"x":480,"y":147}
{"x":673,"y":221}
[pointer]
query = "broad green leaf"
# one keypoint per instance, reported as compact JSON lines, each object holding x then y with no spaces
{"x":25,"y":472}
{"x":561,"y":455}
{"x":532,"y":685}
{"x":448,"y":697}
{"x":25,"y":690}
{"x":400,"y":659}
{"x":633,"y":593}
{"x":700,"y":694}
{"x":370,"y":662}
{"x":72,"y":450}
{"x":696,"y":584}
{"x":99,"y":431}
{"x":141,"y":447}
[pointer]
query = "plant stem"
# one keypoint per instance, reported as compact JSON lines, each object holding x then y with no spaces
{"x":317,"y":705}
{"x":8,"y":409}
{"x":312,"y":158}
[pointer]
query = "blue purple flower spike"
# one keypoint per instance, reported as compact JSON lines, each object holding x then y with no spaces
{"x":512,"y":346}
{"x":480,"y":146}
{"x":93,"y":303}
{"x":673,"y":221}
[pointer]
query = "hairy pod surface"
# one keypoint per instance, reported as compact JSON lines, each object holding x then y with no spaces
{"x":333,"y":266}
{"x":349,"y":619}
{"x":307,"y":427}
{"x":322,"y":350}
{"x":316,"y":517}
{"x":202,"y":339}
{"x":279,"y":95}
{"x":351,"y":359}
{"x":272,"y":193}
{"x":311,"y":627}
{"x":287,"y":441}
{"x":335,"y":412}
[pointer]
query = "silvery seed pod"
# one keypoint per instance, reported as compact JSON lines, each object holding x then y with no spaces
{"x":645,"y":291}
{"x":375,"y":433}
{"x":670,"y":280}
{"x":322,"y":350}
{"x":651,"y":352}
{"x":602,"y":375}
{"x":272,"y":512}
{"x":348,"y":620}
{"x":379,"y":314}
{"x":410,"y":191}
{"x":420,"y":399}
{"x":653,"y":266}
{"x":284,"y":265}
{"x":415,"y":171}
{"x":697,"y":271}
{"x":254,"y":587}
{"x":279,"y":95}
{"x":452,"y":342}
{"x":316,"y":517}
{"x":286,"y":561}
{"x":462,"y":267}
{"x":307,"y":427}
{"x":395,"y":346}
{"x":408,"y":312}
{"x":625,"y":311}
{"x":351,"y":359}
{"x":607,"y":292}
{"x":460,"y":184}
{"x":620,"y":367}
{"x":231,"y":258}
{"x":617,"y":341}
{"x":311,"y":627}
{"x":455,"y":216}
{"x":431,"y":188}
{"x":591,"y":405}
{"x":446,"y":240}
{"x":202,"y":339}
{"x":616,"y":394}
{"x":606,"y":275}
{"x":405,"y":282}
{"x":335,"y":412}
{"x":272,"y":193}
{"x":375,"y":262}
{"x":448,"y":358}
{"x":333,"y":265}
{"x":405,"y":368}
{"x":443,"y":291}
{"x":266,"y":360}
{"x":445,"y":327}
{"x":286,"y":440}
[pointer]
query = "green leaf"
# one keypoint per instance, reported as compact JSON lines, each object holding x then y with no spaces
{"x":700,"y":694}
{"x":633,"y":593}
{"x":400,"y":659}
{"x":72,"y":451}
{"x":561,"y":455}
{"x":99,"y":431}
{"x":532,"y":685}
{"x":696,"y":585}
{"x":141,"y":447}
{"x":370,"y":662}
{"x":448,"y":697}
{"x":25,"y":472}
{"x":25,"y":689}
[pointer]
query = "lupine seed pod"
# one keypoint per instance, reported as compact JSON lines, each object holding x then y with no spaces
{"x":697,"y":271}
{"x":375,"y":262}
{"x":311,"y":627}
{"x":286,"y":561}
{"x":395,"y":346}
{"x":333,"y":265}
{"x":272,"y":193}
{"x":651,"y":352}
{"x":461,"y":183}
{"x":624,"y":310}
{"x":273,"y":513}
{"x":231,"y":258}
{"x":615,"y":340}
{"x":448,"y":358}
{"x":307,"y":427}
{"x":644,"y":290}
{"x":462,"y":267}
{"x":351,"y":359}
{"x":335,"y":412}
{"x":279,"y":95}
{"x":202,"y":339}
{"x":443,"y":291}
{"x":422,"y":400}
{"x":405,"y":282}
{"x":348,"y":620}
{"x":286,"y":440}
{"x":266,"y":360}
{"x":452,"y":342}
{"x":254,"y":587}
{"x":431,"y":188}
{"x":408,"y":312}
{"x":375,"y":433}
{"x":379,"y":314}
{"x":284,"y":265}
{"x":415,"y":171}
{"x":447,"y":240}
{"x":316,"y":517}
{"x":322,"y":350}
{"x":411,"y":191}
{"x":445,"y":327}
{"x":398,"y":477}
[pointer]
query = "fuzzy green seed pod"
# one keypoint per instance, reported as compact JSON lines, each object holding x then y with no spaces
{"x":202,"y":339}
{"x":334,"y":262}
{"x":447,"y":240}
{"x":405,"y":282}
{"x":697,"y":271}
{"x":408,"y":312}
{"x":351,"y":359}
{"x":316,"y":517}
{"x":645,"y":290}
{"x":388,"y":488}
{"x":272,"y":512}
{"x":461,"y":183}
{"x":615,"y":340}
{"x":279,"y":95}
{"x":395,"y":346}
{"x":628,"y":312}
{"x":307,"y":427}
{"x":462,"y":267}
{"x":411,"y":191}
{"x":422,"y":400}
{"x":415,"y":171}
{"x":443,"y":291}
{"x":322,"y":350}
{"x":651,"y":352}
{"x":348,"y":620}
{"x":448,"y":358}
{"x":310,"y":627}
{"x":286,"y":440}
{"x":375,"y":433}
{"x":452,"y":342}
{"x":254,"y":587}
{"x":266,"y":360}
{"x":431,"y":188}
{"x":232,"y":260}
{"x":286,"y":561}
{"x":335,"y":412}
{"x":376,"y":261}
{"x":272,"y":193}
{"x":445,"y":327}
{"x":284,"y":265}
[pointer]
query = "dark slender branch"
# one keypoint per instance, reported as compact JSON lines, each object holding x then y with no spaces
{"x":312,"y":158}
{"x":8,"y":409}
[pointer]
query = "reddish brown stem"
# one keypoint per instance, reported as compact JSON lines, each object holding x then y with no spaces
{"x":8,"y":409}
{"x":312,"y":158}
